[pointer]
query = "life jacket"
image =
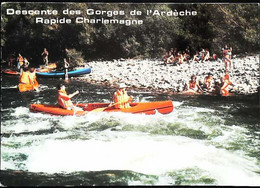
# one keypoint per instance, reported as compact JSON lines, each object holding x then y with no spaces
{"x":63,"y":99}
{"x":32,"y":79}
{"x":224,"y":90}
{"x":20,"y":60}
{"x":25,"y":78}
{"x":122,"y":99}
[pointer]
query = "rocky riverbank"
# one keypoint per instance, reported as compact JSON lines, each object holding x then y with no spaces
{"x":153,"y":75}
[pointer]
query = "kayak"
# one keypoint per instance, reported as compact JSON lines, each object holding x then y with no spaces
{"x":56,"y":74}
{"x":27,"y":87}
{"x":148,"y":108}
{"x":10,"y":72}
{"x":47,"y":68}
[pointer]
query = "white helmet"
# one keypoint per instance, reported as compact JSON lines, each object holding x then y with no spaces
{"x":122,"y":85}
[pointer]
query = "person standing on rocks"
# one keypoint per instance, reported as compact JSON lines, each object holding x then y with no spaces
{"x":45,"y":55}
{"x":66,"y":63}
{"x":121,"y":98}
{"x":227,"y":53}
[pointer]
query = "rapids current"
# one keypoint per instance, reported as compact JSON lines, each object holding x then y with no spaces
{"x":206,"y":140}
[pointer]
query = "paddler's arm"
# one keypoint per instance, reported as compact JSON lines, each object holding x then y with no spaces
{"x":73,"y":94}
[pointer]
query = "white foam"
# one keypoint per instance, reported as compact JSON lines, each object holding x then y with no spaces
{"x":144,"y":154}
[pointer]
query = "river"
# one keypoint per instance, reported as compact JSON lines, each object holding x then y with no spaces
{"x":206,"y":140}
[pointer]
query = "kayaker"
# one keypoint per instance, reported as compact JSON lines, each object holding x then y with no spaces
{"x":225,"y":83}
{"x":45,"y":55}
{"x":121,"y":98}
{"x":64,"y":100}
{"x":32,"y":78}
{"x":24,"y":78}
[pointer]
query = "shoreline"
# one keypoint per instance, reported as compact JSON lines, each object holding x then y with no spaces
{"x":153,"y":76}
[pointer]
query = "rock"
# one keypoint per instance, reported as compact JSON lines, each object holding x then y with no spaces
{"x":154,"y":75}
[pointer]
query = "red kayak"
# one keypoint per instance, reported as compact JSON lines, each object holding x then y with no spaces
{"x":163,"y":107}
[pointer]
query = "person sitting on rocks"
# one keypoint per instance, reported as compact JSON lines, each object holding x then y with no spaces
{"x":193,"y":85}
{"x":179,"y":58}
{"x":186,"y":56}
{"x":225,"y":83}
{"x":196,"y":57}
{"x":202,"y":54}
{"x":207,"y":55}
{"x":207,"y":85}
{"x":171,"y":58}
{"x":64,"y":100}
{"x":121,"y":98}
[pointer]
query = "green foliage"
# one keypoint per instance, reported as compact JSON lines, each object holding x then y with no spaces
{"x":214,"y":26}
{"x":75,"y":57}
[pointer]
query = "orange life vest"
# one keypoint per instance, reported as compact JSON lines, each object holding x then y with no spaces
{"x":121,"y":99}
{"x":20,"y":59}
{"x":25,"y":78}
{"x":64,"y":99}
{"x":224,"y":90}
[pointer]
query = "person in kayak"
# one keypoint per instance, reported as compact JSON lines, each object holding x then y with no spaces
{"x":24,"y":78}
{"x":121,"y":98}
{"x":32,"y":78}
{"x":28,"y":81}
{"x":64,"y":100}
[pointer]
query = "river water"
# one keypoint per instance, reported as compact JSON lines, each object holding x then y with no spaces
{"x":206,"y":140}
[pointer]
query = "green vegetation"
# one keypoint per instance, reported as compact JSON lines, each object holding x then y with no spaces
{"x":212,"y":27}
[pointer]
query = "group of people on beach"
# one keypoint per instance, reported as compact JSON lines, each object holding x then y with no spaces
{"x":209,"y":84}
{"x":176,"y":57}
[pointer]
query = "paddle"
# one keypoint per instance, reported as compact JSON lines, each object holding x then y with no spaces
{"x":102,"y":109}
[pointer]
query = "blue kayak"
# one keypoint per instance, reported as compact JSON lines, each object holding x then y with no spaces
{"x":59,"y":74}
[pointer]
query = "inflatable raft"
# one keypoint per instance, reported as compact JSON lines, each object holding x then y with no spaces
{"x":163,"y":107}
{"x":56,"y":74}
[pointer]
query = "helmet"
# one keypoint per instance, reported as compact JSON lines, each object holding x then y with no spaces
{"x":122,"y":85}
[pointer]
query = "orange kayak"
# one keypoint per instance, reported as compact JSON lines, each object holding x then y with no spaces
{"x":148,"y":108}
{"x":10,"y":72}
{"x":27,"y":87}
{"x":47,"y":68}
